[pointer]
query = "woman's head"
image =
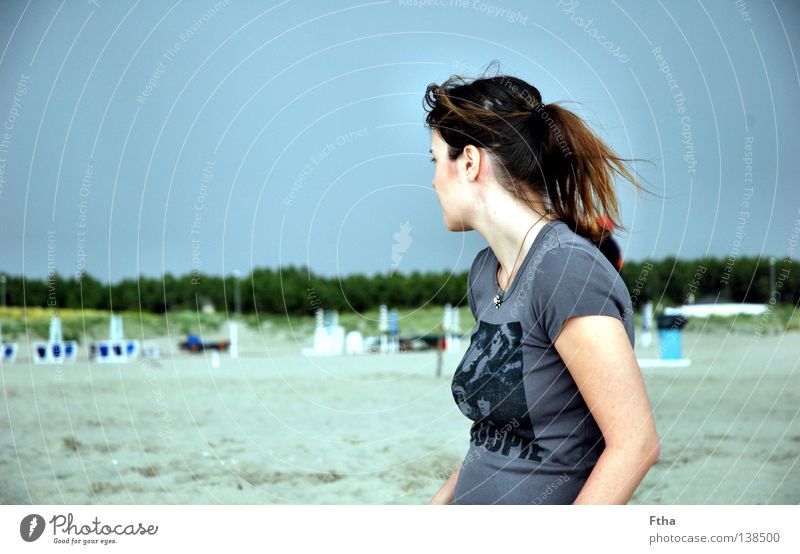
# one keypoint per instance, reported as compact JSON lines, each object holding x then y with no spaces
{"x":537,"y":152}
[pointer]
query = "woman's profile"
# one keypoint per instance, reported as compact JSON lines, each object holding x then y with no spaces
{"x":559,"y":411}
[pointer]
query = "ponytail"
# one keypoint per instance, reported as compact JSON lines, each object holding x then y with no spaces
{"x":579,"y":173}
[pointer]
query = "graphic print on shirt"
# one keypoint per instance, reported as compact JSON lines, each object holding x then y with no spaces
{"x":488,"y":388}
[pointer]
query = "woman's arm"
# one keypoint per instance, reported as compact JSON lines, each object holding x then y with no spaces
{"x":599,"y":356}
{"x":446,"y":492}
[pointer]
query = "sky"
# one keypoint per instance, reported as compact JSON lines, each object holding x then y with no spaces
{"x":140,"y":138}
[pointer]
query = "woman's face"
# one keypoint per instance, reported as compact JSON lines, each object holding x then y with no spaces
{"x":454,"y":192}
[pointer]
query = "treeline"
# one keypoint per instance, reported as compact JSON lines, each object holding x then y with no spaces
{"x":294,"y":290}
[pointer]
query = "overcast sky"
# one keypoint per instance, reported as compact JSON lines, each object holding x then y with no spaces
{"x":146,"y":137}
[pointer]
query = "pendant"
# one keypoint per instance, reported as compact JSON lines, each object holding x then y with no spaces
{"x":497,"y":301}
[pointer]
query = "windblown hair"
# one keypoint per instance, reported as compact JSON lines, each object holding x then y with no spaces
{"x":533,"y":146}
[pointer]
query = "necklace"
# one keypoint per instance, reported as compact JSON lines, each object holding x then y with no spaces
{"x":499,"y":297}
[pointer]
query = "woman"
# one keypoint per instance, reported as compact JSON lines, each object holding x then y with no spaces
{"x":559,"y":408}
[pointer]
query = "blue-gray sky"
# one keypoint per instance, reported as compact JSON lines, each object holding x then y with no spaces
{"x":146,"y":137}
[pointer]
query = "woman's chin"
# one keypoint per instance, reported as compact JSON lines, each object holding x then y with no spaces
{"x":457,"y":225}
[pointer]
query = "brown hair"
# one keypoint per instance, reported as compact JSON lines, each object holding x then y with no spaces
{"x":541,"y":147}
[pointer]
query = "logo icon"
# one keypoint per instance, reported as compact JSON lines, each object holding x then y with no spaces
{"x":402,"y":242}
{"x":31,"y":527}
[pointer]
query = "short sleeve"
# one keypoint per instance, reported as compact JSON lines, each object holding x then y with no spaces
{"x":571,"y":282}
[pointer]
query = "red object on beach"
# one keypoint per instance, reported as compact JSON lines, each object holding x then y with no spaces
{"x":605,"y":223}
{"x":607,"y":245}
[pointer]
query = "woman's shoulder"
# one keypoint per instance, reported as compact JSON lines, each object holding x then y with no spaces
{"x":570,"y":265}
{"x":568,"y":247}
{"x":572,"y":278}
{"x":566,"y":237}
{"x":479,"y":261}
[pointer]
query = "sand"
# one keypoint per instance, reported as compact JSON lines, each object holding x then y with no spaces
{"x":274,"y":426}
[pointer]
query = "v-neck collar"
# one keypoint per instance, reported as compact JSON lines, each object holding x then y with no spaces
{"x":496,"y":263}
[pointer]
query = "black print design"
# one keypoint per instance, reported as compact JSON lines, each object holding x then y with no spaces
{"x":503,"y":440}
{"x":488,"y":388}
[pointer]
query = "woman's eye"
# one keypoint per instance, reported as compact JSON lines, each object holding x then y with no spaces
{"x":433,"y":160}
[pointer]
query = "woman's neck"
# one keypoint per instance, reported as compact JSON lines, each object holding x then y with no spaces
{"x":504,"y":227}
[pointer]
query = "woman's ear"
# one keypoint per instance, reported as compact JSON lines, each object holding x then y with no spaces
{"x":471,"y":162}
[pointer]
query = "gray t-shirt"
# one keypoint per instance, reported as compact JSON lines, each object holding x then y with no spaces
{"x":533,"y":440}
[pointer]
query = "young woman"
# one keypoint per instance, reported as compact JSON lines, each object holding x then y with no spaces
{"x":559,"y":408}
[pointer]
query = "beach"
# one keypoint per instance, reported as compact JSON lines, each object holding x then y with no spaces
{"x":274,"y":426}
